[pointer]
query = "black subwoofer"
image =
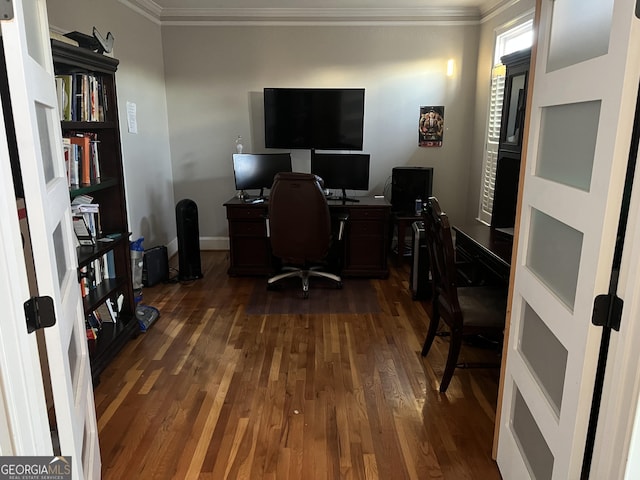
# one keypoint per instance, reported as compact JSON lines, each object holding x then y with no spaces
{"x":188,"y":240}
{"x":409,"y":184}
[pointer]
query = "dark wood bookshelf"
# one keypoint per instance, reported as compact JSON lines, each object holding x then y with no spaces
{"x":108,"y":192}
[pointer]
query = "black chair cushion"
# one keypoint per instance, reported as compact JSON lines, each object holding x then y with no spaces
{"x":483,"y":306}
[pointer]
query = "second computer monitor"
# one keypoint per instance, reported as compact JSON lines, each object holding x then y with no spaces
{"x":345,"y":171}
{"x":255,"y":171}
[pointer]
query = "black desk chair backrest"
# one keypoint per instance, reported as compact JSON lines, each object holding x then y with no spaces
{"x":465,"y":310}
{"x":299,"y":218}
{"x":300,"y":226}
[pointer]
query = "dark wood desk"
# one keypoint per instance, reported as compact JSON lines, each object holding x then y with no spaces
{"x":485,"y":246}
{"x":366,"y":237}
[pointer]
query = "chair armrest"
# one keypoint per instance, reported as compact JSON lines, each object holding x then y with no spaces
{"x":343,"y":220}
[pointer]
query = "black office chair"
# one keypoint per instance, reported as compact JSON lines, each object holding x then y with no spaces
{"x":465,"y":310}
{"x":299,"y":228}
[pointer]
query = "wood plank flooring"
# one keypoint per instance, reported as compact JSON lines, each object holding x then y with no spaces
{"x":209,"y":392}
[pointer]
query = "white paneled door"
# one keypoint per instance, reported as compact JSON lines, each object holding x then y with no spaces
{"x":30,"y":75}
{"x":585,"y":85}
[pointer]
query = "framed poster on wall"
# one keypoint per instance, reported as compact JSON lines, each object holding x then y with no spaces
{"x":431,"y":126}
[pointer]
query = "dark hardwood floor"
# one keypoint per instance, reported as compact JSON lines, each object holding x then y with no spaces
{"x":209,"y":392}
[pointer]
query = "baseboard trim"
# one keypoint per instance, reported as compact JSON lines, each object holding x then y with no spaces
{"x":172,"y":247}
{"x":214,"y":243}
{"x":206,"y":243}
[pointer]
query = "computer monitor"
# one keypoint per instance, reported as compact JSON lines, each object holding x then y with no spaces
{"x":343,"y":171}
{"x":255,"y":171}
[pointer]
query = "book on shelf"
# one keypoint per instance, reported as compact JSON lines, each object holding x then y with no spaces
{"x":82,"y":231}
{"x":94,"y":320}
{"x":94,"y":158}
{"x":64,"y":90}
{"x":98,"y":271}
{"x":81,"y":199}
{"x":84,"y":289}
{"x":84,"y":152}
{"x":93,"y":98}
{"x":109,"y":264}
{"x":72,"y":161}
{"x":104,"y":313}
{"x":81,"y":97}
{"x":60,"y":96}
{"x":81,"y":206}
{"x":92,"y":334}
{"x":61,"y":38}
{"x":115,"y":307}
{"x":94,"y":273}
{"x":93,"y":324}
{"x":66,"y":149}
{"x":84,"y":157}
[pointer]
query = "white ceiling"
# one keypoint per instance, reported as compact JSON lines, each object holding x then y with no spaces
{"x":199,"y":11}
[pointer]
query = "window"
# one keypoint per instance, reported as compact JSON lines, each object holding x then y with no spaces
{"x":512,"y":40}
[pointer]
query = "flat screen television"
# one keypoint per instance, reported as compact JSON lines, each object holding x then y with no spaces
{"x":255,"y":171}
{"x":342,"y":171}
{"x":314,"y":118}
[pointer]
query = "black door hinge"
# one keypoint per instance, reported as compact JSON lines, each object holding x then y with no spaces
{"x":6,"y":10}
{"x":607,"y":311}
{"x":40,"y":313}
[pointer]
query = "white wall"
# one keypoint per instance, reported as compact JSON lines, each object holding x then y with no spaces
{"x":215,"y":76}
{"x":140,"y":79}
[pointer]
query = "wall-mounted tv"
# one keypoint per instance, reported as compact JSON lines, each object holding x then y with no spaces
{"x":314,"y":118}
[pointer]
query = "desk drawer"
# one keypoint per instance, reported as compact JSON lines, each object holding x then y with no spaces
{"x":367,"y":213}
{"x":253,"y":229}
{"x":365,"y":227}
{"x":246,"y":212}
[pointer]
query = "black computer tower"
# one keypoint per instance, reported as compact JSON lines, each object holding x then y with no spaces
{"x":155,"y":267}
{"x":409,"y":184}
{"x":189,"y":267}
{"x":420,"y":276}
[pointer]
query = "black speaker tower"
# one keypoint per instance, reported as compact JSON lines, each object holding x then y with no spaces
{"x":188,"y":240}
{"x":409,"y":184}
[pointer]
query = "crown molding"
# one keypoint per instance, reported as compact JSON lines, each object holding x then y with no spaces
{"x":490,"y":10}
{"x":352,"y":13}
{"x":147,"y":8}
{"x":307,"y":16}
{"x":429,"y":15}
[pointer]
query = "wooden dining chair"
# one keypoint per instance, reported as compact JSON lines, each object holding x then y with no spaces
{"x":465,"y":310}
